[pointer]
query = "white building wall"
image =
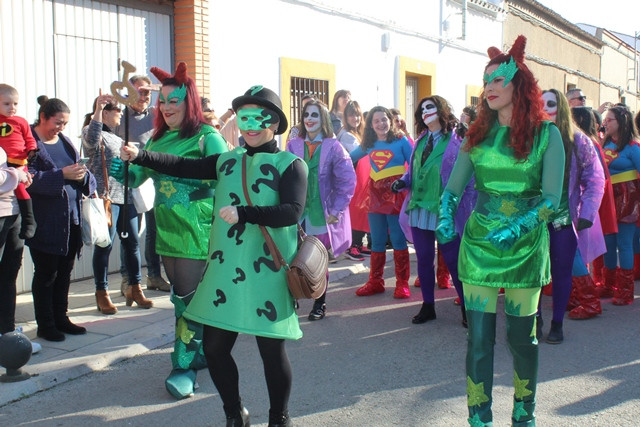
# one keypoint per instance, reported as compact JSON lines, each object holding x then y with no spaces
{"x":248,"y":37}
{"x":70,"y":49}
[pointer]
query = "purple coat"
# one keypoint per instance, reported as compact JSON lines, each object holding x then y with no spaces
{"x":337,"y":182}
{"x":586,"y":187}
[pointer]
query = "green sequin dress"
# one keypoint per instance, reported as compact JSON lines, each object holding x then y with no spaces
{"x":240,"y":290}
{"x":509,"y":186}
{"x":183,"y":207}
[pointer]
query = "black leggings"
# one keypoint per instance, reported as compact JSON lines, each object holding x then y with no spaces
{"x":183,"y":273}
{"x":218,"y":344}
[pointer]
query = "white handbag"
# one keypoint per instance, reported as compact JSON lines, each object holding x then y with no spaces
{"x":144,"y":196}
{"x":95,"y":230}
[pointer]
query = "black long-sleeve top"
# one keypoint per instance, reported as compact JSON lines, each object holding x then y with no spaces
{"x":292,"y":190}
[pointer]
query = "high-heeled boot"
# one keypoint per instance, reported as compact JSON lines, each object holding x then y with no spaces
{"x":481,"y":339}
{"x":239,"y":418}
{"x":134,"y":293}
{"x":623,"y":294}
{"x":587,"y":295}
{"x":609,"y":283}
{"x":375,"y":284}
{"x":188,"y":356}
{"x":103,"y":302}
{"x":443,"y":278}
{"x":402,"y":265}
{"x":523,"y":345}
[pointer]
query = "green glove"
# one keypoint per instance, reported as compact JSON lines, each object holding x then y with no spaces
{"x":117,"y":169}
{"x":506,"y":236}
{"x":446,"y":228}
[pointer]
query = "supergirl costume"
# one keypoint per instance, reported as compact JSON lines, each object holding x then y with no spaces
{"x":387,"y":161}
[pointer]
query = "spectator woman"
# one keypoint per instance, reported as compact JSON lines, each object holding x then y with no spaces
{"x":340,"y":99}
{"x":181,"y":204}
{"x":517,"y":159}
{"x":331,"y":183}
{"x":388,"y":151}
{"x":59,"y":183}
{"x":102,"y":145}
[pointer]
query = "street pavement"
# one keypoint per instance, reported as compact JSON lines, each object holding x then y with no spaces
{"x":365,"y":364}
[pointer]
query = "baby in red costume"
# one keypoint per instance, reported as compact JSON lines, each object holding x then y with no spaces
{"x":18,"y":142}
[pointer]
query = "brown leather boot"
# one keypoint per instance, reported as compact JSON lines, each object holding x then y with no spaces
{"x":134,"y":293}
{"x":103,"y":302}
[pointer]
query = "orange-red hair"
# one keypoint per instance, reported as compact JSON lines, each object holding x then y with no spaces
{"x":528,"y":107}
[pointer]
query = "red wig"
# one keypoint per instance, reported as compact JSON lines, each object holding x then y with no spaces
{"x":193,"y":117}
{"x":528,"y":107}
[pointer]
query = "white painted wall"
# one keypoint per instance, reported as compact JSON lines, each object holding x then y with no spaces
{"x":247,"y":38}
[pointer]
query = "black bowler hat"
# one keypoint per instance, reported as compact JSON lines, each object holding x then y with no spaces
{"x":264,"y":97}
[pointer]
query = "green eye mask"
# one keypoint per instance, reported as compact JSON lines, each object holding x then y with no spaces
{"x":179,"y":94}
{"x":256,"y":119}
{"x":506,"y":70}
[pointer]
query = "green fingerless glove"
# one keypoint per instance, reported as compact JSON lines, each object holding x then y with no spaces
{"x":506,"y":236}
{"x":446,"y":228}
{"x":117,"y":169}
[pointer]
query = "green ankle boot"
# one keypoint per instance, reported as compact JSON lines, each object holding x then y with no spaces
{"x":188,"y":356}
{"x":481,"y":338}
{"x":523,"y":344}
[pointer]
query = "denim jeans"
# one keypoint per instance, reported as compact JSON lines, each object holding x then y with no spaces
{"x":131,"y":248}
{"x":11,"y":248}
{"x":150,"y":255}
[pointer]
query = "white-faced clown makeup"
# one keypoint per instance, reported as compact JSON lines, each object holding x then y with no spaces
{"x":550,"y":104}
{"x":429,"y":112}
{"x":311,"y":119}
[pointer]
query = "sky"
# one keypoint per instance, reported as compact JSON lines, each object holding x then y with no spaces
{"x":614,"y":15}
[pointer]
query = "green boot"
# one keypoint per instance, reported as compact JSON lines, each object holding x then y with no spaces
{"x":481,"y":339}
{"x":187,"y":356}
{"x":523,"y":344}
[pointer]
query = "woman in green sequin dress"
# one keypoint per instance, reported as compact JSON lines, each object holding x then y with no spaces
{"x":517,"y":159}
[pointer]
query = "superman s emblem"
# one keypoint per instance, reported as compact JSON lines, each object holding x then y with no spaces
{"x":610,"y":155}
{"x":5,"y":129}
{"x":381,"y":158}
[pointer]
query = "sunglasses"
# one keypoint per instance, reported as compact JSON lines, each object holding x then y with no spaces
{"x":580,"y":98}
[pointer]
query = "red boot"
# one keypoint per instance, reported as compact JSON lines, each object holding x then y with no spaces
{"x":573,"y":298}
{"x":587,"y":295}
{"x":609,"y":283}
{"x":375,"y":284}
{"x":443,"y":277}
{"x":623,"y":294}
{"x":401,"y":260}
{"x":548,"y":289}
{"x":597,"y":267}
{"x":636,"y":266}
{"x":417,"y":282}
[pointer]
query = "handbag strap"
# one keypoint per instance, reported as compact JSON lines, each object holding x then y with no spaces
{"x":104,"y":168}
{"x":273,"y":248}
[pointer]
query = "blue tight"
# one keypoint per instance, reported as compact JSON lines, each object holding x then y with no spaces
{"x":380,"y":224}
{"x":620,"y":247}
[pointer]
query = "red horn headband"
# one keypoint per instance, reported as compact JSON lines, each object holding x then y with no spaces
{"x":180,"y":75}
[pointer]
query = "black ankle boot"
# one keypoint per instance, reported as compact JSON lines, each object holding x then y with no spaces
{"x":68,"y":327}
{"x":555,"y":333}
{"x":280,"y":420}
{"x":318,"y":311}
{"x":539,"y":324}
{"x":427,"y":312}
{"x":50,"y":333}
{"x":239,"y":420}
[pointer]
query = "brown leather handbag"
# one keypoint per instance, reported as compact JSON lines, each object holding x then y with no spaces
{"x":307,"y":272}
{"x":105,"y":197}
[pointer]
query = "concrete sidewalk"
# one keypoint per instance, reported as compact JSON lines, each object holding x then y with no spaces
{"x":109,"y":339}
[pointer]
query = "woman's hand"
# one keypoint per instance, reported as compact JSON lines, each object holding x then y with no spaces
{"x":104,"y":99}
{"x":74,"y":172}
{"x":129,"y":152}
{"x":229,"y":214}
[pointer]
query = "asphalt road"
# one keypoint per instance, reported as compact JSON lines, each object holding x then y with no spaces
{"x":365,"y":364}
